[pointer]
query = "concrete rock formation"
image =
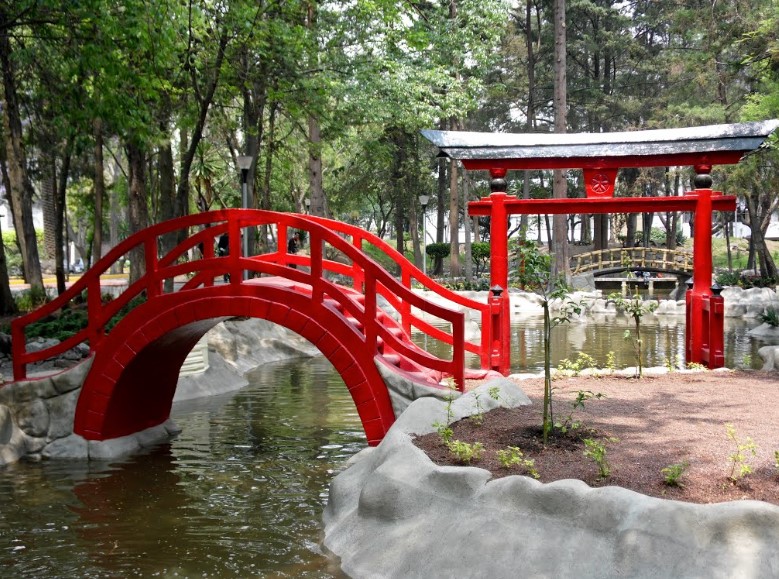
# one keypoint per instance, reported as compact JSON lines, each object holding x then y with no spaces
{"x":393,"y":513}
{"x":36,"y":415}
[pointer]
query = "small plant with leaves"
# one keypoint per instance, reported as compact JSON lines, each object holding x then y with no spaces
{"x":695,"y":366}
{"x":478,"y":417}
{"x":596,"y":450}
{"x":569,"y":423}
{"x":776,"y":459}
{"x":672,"y":363}
{"x":636,"y":308}
{"x":770,"y":316}
{"x":611,"y":362}
{"x":673,"y":473}
{"x":464,"y":452}
{"x":739,"y":459}
{"x":494,"y":393}
{"x":443,"y":428}
{"x":583,"y":361}
{"x":512,"y":456}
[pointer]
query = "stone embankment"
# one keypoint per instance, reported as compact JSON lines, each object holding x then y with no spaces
{"x":393,"y":513}
{"x":36,"y":415}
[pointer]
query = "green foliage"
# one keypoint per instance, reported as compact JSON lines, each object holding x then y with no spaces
{"x":636,"y":308}
{"x":740,"y":466}
{"x":728,"y":278}
{"x":438,"y":250}
{"x":31,"y":299}
{"x":480,"y":252}
{"x":443,"y":428}
{"x":464,"y":452}
{"x":611,"y":362}
{"x":62,"y":327}
{"x":695,"y":366}
{"x":569,"y":423}
{"x":574,"y":367}
{"x":770,"y":316}
{"x":130,"y":306}
{"x":672,"y":474}
{"x":671,"y":363}
{"x":533,"y":267}
{"x":596,"y":451}
{"x":512,"y":456}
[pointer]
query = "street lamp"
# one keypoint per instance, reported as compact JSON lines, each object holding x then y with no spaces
{"x":244,"y":164}
{"x":423,"y":200}
{"x":308,"y":205}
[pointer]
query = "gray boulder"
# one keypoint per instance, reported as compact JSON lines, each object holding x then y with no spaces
{"x":393,"y":513}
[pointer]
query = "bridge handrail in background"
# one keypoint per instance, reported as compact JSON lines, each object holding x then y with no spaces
{"x":627,"y":258}
{"x":368,"y":278}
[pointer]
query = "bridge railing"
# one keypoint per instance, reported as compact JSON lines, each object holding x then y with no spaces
{"x":335,"y":248}
{"x":633,"y":257}
{"x":409,"y":276}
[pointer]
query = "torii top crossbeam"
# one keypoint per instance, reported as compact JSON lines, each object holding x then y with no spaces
{"x":709,"y":145}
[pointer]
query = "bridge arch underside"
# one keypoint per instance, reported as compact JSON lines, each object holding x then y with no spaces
{"x":133,"y":378}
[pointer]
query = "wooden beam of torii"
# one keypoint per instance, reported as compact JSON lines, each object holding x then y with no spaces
{"x":600,"y":156}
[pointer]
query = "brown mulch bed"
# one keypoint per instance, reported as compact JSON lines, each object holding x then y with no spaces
{"x":657,"y":421}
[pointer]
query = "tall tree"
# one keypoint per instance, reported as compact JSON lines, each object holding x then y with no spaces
{"x":16,"y":154}
{"x":560,"y":187}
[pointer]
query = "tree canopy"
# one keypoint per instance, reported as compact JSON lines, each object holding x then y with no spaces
{"x":119,"y":115}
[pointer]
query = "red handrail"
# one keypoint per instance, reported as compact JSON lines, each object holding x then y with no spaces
{"x":368,"y":278}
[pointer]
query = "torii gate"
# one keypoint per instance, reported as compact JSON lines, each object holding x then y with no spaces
{"x":600,"y":156}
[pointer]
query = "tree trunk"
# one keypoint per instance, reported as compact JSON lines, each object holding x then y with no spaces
{"x":315,"y":167}
{"x":168,"y":205}
{"x":468,"y":258}
{"x":560,"y":188}
{"x":99,"y":177}
{"x":137,"y":206}
{"x":59,"y":217}
{"x":21,"y":193}
{"x":48,"y":183}
{"x":116,"y":213}
{"x":764,"y":259}
{"x":438,"y":265}
{"x":454,"y":222}
{"x":7,"y":302}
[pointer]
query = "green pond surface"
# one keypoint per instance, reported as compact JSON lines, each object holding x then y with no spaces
{"x":240,"y":492}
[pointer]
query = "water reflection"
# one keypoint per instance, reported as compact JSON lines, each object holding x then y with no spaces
{"x":663,"y":338}
{"x":240,"y":492}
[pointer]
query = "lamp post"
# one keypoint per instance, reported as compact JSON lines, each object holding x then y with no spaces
{"x":423,"y":200}
{"x":308,"y":205}
{"x":244,"y":164}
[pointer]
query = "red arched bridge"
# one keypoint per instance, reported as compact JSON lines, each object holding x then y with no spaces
{"x":137,"y":354}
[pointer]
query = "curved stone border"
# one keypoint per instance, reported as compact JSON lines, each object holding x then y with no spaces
{"x":393,"y":513}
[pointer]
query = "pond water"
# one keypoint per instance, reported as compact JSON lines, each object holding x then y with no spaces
{"x":241,"y":491}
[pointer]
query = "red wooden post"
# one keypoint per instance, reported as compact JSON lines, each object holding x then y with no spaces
{"x":499,"y":260}
{"x":716,"y":354}
{"x":698,"y":331}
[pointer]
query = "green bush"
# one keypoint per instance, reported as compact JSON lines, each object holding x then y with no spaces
{"x":62,"y":327}
{"x":438,"y":250}
{"x":480,"y":252}
{"x":31,"y":299}
{"x":770,"y":317}
{"x":726,"y":278}
{"x":532,"y":266}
